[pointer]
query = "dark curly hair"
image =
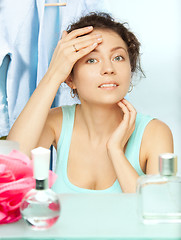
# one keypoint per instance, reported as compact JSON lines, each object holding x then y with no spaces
{"x":105,"y":21}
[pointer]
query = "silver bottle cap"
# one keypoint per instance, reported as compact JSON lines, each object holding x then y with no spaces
{"x":168,"y":164}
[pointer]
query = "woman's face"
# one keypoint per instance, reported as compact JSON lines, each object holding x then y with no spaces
{"x":103,"y":76}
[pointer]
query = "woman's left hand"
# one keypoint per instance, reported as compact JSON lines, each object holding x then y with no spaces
{"x":123,"y":132}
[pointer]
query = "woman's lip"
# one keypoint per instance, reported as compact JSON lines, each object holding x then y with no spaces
{"x":108,"y":85}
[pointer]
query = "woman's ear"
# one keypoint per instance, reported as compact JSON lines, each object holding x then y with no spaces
{"x":69,"y":82}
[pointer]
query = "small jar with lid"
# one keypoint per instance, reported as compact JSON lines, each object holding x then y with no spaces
{"x":40,"y":207}
{"x":159,"y":196}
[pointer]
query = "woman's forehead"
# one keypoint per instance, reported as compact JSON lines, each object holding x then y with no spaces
{"x":110,"y":36}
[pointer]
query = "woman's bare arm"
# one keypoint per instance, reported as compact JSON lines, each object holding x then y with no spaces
{"x":28,"y":127}
{"x":157,"y":139}
{"x":31,"y":123}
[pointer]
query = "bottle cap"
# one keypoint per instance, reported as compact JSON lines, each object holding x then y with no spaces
{"x":168,"y":164}
{"x":41,"y":163}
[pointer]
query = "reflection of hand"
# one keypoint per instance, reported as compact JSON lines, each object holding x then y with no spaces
{"x":70,"y":49}
{"x":123,"y":132}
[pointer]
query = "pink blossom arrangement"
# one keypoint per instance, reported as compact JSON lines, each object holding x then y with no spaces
{"x":16,"y":179}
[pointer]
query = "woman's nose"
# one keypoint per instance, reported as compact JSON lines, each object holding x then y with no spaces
{"x":107,"y":67}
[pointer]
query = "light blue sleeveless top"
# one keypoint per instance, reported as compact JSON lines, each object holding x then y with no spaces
{"x":62,"y":184}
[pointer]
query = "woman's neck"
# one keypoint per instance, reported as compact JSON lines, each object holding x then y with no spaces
{"x":99,"y":120}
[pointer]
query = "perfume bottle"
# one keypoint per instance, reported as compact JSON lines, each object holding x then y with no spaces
{"x":40,"y":207}
{"x":159,"y":196}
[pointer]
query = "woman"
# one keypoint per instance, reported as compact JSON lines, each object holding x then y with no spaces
{"x":102,"y":145}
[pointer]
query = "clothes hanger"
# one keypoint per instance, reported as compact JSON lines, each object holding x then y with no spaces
{"x":55,"y":4}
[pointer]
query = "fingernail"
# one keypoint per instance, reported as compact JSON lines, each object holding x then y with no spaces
{"x":94,"y":44}
{"x":90,"y":27}
{"x":99,"y":39}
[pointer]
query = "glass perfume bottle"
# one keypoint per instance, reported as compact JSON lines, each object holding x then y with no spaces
{"x":159,"y":196}
{"x":40,"y":207}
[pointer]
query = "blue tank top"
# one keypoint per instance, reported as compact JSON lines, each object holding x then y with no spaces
{"x":62,"y":184}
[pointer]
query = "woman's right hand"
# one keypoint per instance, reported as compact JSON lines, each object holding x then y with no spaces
{"x":40,"y":130}
{"x":70,"y":49}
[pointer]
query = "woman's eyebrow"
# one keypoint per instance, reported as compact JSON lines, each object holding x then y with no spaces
{"x":119,"y":47}
{"x":113,"y":49}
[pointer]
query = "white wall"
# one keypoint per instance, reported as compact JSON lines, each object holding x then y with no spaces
{"x":157,"y":24}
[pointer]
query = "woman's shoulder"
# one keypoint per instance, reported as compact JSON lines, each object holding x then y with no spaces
{"x":157,"y":128}
{"x":55,"y":118}
{"x":57,"y":112}
{"x":154,"y":126}
{"x":157,"y":139}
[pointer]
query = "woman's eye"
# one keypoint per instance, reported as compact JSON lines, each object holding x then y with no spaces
{"x":91,"y":60}
{"x":118,"y":58}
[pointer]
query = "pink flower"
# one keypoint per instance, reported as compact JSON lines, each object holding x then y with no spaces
{"x":16,"y":179}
